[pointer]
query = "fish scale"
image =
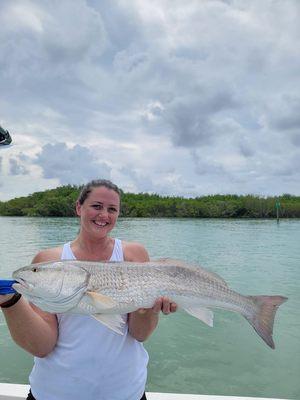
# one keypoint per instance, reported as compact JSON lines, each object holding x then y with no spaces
{"x":139,"y":289}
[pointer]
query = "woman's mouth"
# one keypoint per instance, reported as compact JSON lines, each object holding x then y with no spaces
{"x":100,"y":224}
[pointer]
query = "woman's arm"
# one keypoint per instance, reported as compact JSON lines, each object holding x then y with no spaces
{"x":34,"y":330}
{"x":142,"y":322}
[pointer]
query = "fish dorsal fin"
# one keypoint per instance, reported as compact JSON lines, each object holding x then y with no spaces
{"x":193,"y":266}
{"x":100,"y":301}
{"x":204,"y":314}
{"x":115,"y":322}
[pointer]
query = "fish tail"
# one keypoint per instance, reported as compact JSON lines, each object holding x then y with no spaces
{"x":263,"y":320}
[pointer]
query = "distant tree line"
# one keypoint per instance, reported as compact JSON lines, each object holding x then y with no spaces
{"x":60,"y":202}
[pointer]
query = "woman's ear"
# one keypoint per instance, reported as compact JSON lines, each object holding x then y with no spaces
{"x":78,"y":208}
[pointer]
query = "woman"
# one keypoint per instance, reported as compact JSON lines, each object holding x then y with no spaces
{"x":76,"y":357}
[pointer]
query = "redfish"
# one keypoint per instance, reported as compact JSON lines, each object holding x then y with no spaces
{"x":106,"y":290}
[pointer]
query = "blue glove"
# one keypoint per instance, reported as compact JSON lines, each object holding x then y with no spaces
{"x":6,"y":286}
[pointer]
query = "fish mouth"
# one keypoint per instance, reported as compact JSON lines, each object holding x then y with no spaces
{"x":23,"y":283}
{"x":22,"y":286}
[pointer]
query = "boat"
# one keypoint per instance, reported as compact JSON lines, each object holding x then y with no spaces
{"x":10,"y":391}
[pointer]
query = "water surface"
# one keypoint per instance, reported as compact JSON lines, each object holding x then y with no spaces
{"x":186,"y":356}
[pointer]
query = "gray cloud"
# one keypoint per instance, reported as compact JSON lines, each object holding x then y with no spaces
{"x":288,"y":168}
{"x":70,"y":165}
{"x":206,"y":167}
{"x":193,"y":119}
{"x":286,"y":114}
{"x":17,"y":168}
{"x":296,"y":139}
{"x":44,"y":47}
{"x":246,"y":149}
{"x":140,"y":180}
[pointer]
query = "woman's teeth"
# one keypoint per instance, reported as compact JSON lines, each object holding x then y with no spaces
{"x":101,"y":224}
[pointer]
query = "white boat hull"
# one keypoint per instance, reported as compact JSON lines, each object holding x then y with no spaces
{"x":9,"y":391}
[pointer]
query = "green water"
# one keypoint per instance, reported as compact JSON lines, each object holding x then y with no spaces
{"x":186,"y":356}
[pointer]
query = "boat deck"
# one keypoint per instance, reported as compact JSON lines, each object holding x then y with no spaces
{"x":9,"y":391}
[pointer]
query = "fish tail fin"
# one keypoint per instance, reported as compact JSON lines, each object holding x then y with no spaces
{"x":263,"y":320}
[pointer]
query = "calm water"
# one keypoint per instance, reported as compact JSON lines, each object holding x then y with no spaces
{"x":186,"y":356}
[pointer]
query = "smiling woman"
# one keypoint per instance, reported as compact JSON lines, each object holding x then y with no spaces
{"x":65,"y":344}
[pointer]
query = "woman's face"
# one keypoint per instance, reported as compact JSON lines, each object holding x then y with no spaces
{"x":99,"y":212}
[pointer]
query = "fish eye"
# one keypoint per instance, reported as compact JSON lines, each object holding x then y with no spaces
{"x":34,"y":269}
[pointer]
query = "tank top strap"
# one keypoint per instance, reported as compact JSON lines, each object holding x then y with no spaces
{"x":67,"y":253}
{"x":117,"y":254}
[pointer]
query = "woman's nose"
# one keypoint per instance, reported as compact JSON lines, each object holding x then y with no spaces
{"x":103,"y":211}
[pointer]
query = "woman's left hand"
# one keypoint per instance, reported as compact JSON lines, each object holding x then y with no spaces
{"x":165,"y":305}
{"x":162,"y":304}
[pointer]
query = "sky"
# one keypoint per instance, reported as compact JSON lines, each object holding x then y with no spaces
{"x":184,"y":98}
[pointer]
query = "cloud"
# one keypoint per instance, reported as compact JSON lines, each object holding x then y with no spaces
{"x":195,"y":120}
{"x":139,"y":180}
{"x":285,"y":115}
{"x":186,"y":97}
{"x":74,"y":165}
{"x":246,"y":149}
{"x":16,"y":168}
{"x":206,"y":166}
{"x":44,"y":47}
{"x":296,"y":139}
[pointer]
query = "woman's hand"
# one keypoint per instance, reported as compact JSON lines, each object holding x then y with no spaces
{"x":162,"y":304}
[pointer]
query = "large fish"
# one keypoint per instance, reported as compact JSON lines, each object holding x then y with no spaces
{"x":108,"y":289}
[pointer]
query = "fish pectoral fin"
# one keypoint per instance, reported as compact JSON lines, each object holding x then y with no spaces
{"x":202,"y":313}
{"x":100,"y":301}
{"x":115,"y":322}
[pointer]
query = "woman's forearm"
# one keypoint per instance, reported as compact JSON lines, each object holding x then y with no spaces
{"x":142,"y":323}
{"x":35,"y":331}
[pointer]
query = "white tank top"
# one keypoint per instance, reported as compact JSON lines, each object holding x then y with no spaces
{"x":90,"y":361}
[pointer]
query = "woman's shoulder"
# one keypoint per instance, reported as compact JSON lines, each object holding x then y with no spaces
{"x":134,"y":251}
{"x":45,"y":255}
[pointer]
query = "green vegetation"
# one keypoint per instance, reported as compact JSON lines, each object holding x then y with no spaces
{"x":60,"y":202}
